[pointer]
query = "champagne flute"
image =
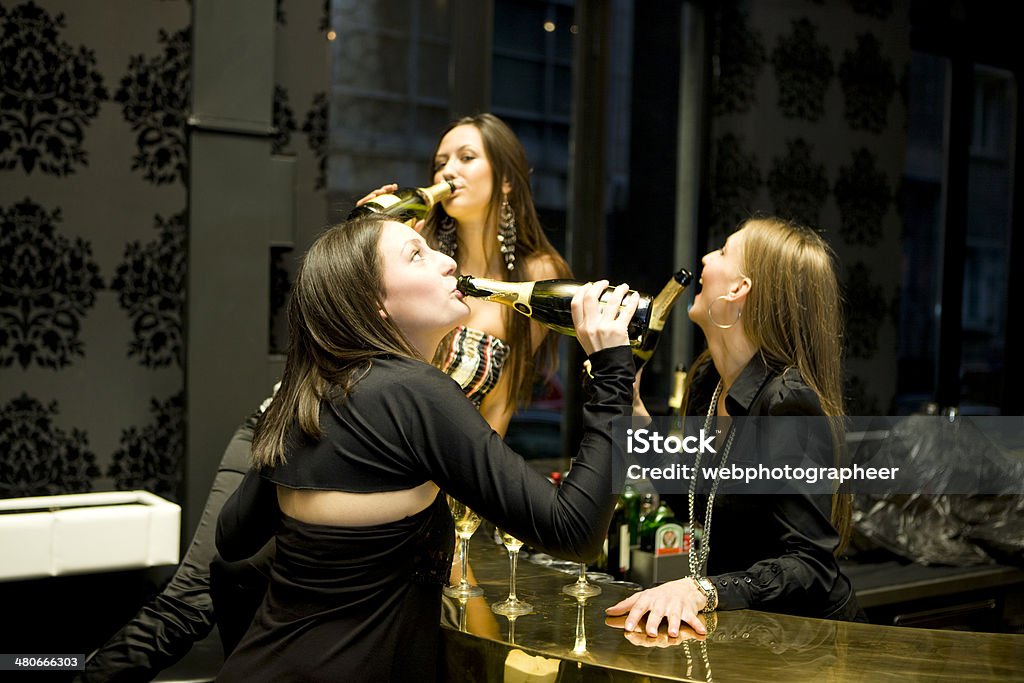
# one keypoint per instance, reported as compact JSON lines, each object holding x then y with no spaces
{"x":512,"y":606}
{"x":582,"y":588}
{"x":466,"y":523}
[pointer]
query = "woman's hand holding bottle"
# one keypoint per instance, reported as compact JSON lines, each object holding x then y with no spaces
{"x":388,"y":189}
{"x":602,"y":325}
{"x":408,"y":205}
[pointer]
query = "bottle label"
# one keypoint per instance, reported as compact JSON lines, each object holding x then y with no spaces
{"x":518,"y":299}
{"x":669,"y":539}
{"x":385,"y":200}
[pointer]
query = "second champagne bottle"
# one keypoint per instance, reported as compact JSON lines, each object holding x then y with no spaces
{"x":406,"y":204}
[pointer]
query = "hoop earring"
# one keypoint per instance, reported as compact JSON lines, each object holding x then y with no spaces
{"x":507,"y":232}
{"x":711,"y":317}
{"x":446,"y":241}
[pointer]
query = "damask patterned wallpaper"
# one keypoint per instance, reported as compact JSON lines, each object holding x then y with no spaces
{"x":93,"y":165}
{"x":808,"y":122}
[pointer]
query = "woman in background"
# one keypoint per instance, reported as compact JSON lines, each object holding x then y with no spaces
{"x":490,"y":227}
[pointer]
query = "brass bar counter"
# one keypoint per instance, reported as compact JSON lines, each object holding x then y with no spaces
{"x":563,"y":640}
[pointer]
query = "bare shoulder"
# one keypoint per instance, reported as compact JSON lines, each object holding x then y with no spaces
{"x":545,"y":267}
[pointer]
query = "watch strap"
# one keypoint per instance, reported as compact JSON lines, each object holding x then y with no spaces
{"x":707,"y":587}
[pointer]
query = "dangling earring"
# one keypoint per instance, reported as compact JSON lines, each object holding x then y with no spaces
{"x":446,"y":241}
{"x":507,"y":232}
{"x":719,"y":325}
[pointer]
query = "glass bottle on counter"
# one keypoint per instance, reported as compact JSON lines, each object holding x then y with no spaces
{"x":631,"y":502}
{"x":618,"y":542}
{"x":661,"y":515}
{"x":406,"y":204}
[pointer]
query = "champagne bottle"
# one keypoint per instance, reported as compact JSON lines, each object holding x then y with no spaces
{"x":549,"y":303}
{"x":406,"y":204}
{"x":660,"y":309}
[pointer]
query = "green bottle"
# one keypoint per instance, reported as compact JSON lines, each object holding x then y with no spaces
{"x":548,"y":302}
{"x":406,"y":204}
{"x":631,"y":505}
{"x":648,"y":528}
{"x":648,"y":504}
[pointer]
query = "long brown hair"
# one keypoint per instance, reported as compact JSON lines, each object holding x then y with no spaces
{"x":793,"y":314}
{"x":335,"y":330}
{"x":508,"y":162}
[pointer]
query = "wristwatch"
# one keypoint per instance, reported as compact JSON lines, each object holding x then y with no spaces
{"x":707,"y":588}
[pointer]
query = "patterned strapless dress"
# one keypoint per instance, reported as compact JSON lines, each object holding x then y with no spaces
{"x":474,"y":359}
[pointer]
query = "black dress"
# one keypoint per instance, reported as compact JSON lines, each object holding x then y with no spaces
{"x":363,"y":603}
{"x":772,"y":552}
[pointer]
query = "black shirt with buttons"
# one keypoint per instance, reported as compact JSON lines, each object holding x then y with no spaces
{"x":770,"y":552}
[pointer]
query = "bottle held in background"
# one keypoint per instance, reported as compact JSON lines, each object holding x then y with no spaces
{"x":406,"y":204}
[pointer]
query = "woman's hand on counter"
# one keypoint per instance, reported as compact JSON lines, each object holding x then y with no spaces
{"x":677,"y":602}
{"x":638,"y":636}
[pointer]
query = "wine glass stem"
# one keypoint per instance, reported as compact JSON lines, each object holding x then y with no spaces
{"x":583,"y":573}
{"x":580,"y":646}
{"x":513,"y":559}
{"x":464,"y":559}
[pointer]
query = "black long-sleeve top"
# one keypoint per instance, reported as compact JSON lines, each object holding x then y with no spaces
{"x":406,"y":423}
{"x":772,"y":552}
{"x":363,"y":603}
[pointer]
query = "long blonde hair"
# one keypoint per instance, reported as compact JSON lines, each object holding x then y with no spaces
{"x":793,"y":314}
